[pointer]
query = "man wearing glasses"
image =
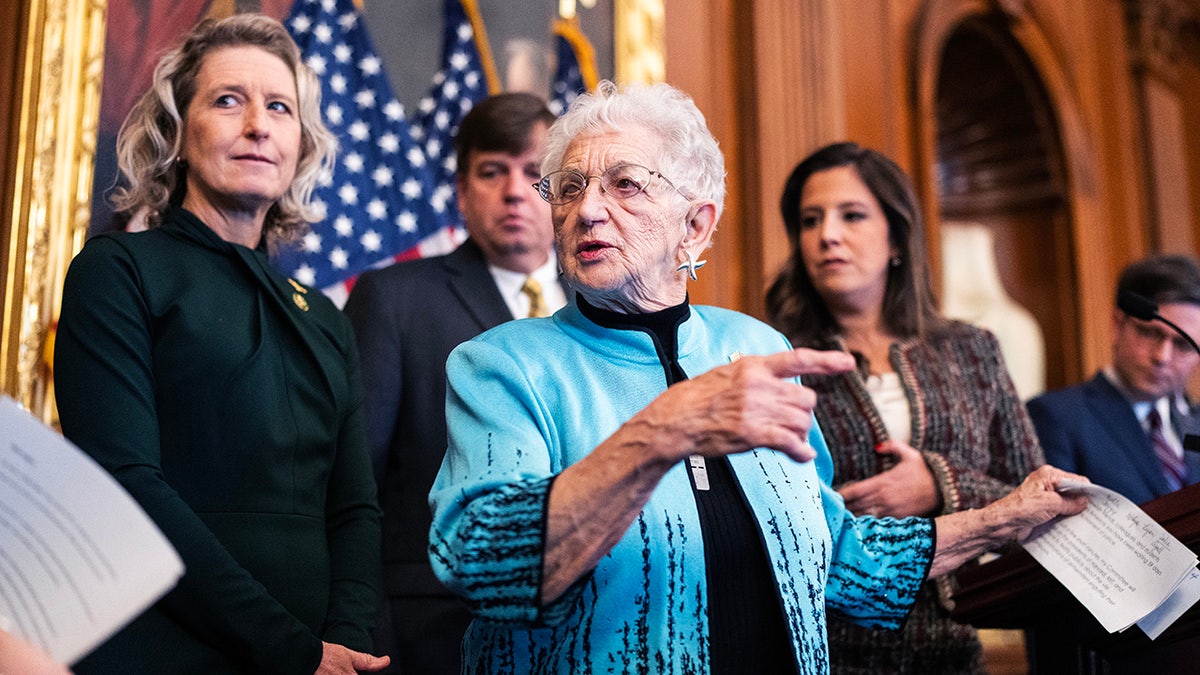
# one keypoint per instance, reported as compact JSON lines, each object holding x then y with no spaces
{"x":1124,"y":428}
{"x":408,"y":317}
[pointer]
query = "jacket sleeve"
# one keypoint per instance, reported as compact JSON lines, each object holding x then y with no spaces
{"x":373,"y":314}
{"x":105,"y":388}
{"x":489,"y":500}
{"x":352,"y":524}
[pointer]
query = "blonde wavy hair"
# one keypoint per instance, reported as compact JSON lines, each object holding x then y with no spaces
{"x":149,"y":140}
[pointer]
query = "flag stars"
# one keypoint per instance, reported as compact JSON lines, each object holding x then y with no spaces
{"x":365,"y":98}
{"x":389,"y":143}
{"x":301,"y":24}
{"x":411,"y":188}
{"x":338,"y":258}
{"x":306,"y":275}
{"x":358,"y":131}
{"x":317,"y":63}
{"x":370,"y":65}
{"x":312,"y":242}
{"x":393,"y":180}
{"x":377,"y":209}
{"x":371,"y":241}
{"x":382,"y":176}
{"x":440,"y":197}
{"x":334,"y":114}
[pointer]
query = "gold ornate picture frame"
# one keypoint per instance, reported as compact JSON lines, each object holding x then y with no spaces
{"x":55,"y":108}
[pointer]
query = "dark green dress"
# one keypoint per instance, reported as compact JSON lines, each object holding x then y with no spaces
{"x":226,"y":399}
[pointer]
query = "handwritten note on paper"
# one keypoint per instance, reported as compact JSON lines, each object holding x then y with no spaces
{"x":78,"y":556}
{"x":1118,"y":562}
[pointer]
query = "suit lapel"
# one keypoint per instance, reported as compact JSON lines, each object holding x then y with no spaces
{"x":471,"y":283}
{"x":1114,"y":415}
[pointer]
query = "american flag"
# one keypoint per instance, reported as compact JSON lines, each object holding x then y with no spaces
{"x":386,"y":195}
{"x":457,"y":87}
{"x":575,"y":65}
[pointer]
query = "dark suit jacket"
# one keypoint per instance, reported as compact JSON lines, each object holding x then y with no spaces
{"x":407,"y":318}
{"x":1091,"y":429}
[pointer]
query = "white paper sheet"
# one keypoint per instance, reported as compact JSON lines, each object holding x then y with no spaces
{"x":1180,"y":601}
{"x":1118,"y":562}
{"x":78,"y":557}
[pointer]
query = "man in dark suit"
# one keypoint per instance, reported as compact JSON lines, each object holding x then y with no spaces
{"x":408,"y":317}
{"x":1123,"y":429}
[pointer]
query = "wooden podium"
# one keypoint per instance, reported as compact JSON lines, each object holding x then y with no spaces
{"x":1014,"y":591}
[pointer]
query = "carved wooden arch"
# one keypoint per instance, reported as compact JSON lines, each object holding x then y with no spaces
{"x":1090,"y":246}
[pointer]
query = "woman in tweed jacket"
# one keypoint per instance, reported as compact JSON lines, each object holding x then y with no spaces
{"x":930,"y":422}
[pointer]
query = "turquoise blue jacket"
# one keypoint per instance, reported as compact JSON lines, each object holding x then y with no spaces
{"x":530,"y":398}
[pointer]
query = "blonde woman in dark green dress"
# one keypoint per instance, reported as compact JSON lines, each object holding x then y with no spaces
{"x":223,"y":396}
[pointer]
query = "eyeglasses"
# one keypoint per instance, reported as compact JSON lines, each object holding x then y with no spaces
{"x":621,"y":181}
{"x":1153,"y":335}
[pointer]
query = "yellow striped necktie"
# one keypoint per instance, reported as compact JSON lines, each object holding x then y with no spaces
{"x":537,"y":303}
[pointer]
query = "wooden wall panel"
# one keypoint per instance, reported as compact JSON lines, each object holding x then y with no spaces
{"x":701,"y":41}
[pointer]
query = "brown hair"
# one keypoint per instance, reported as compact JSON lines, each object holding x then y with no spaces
{"x":909,"y":304}
{"x":500,"y":123}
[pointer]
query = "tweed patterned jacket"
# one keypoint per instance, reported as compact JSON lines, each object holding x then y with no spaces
{"x":531,"y":397}
{"x":976,"y":438}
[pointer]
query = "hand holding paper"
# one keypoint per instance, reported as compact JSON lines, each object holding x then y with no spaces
{"x":78,"y":557}
{"x":1118,"y":562}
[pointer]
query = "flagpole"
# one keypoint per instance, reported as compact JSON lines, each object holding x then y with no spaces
{"x":585,"y":54}
{"x":471,"y":7}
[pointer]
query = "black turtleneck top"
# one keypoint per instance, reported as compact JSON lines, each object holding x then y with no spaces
{"x":747,"y":633}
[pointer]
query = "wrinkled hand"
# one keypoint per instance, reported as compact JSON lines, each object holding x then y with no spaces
{"x":1036,"y":501}
{"x":964,"y":535}
{"x":906,"y":489}
{"x":749,"y":403}
{"x":339,"y":660}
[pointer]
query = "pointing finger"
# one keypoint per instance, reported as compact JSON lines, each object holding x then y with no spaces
{"x":803,"y":361}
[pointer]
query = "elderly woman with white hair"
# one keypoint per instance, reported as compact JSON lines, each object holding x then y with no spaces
{"x":637,"y":484}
